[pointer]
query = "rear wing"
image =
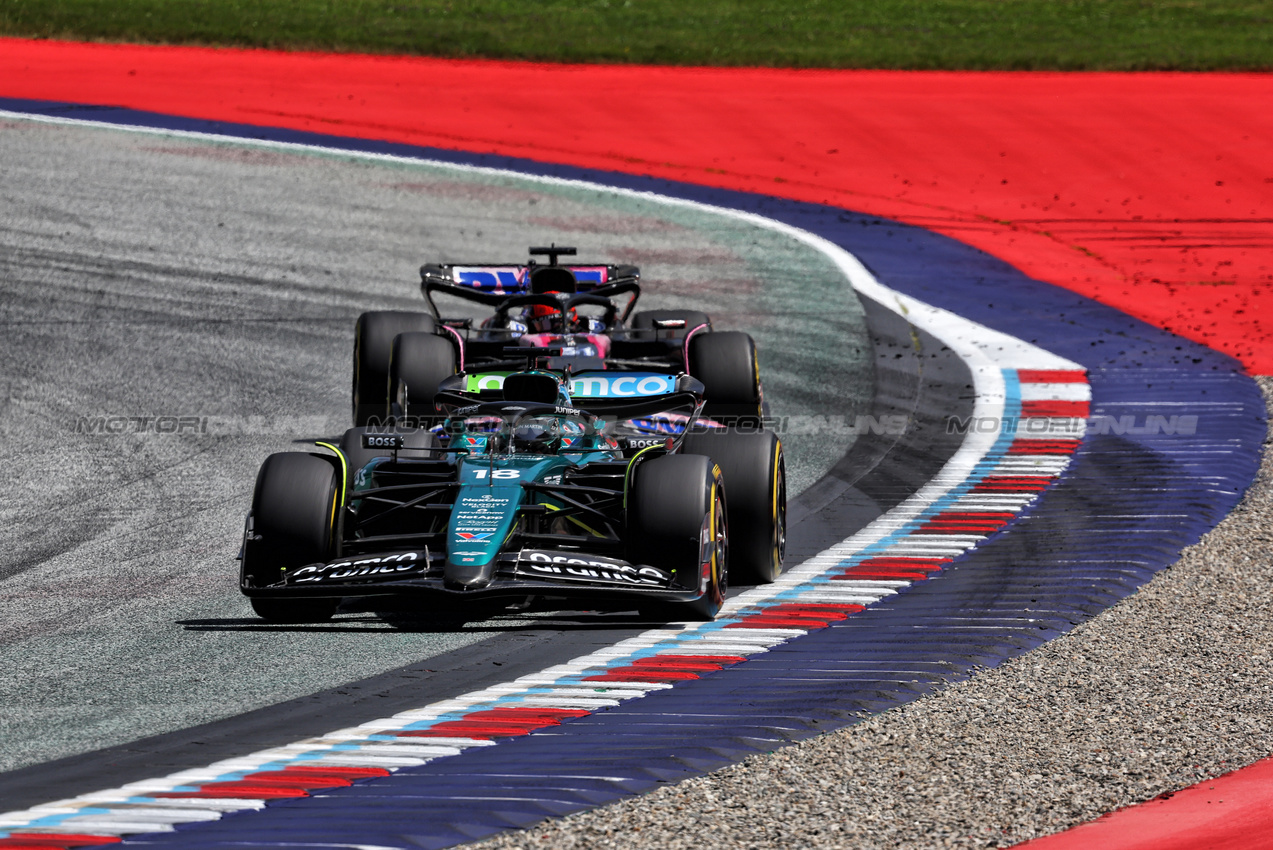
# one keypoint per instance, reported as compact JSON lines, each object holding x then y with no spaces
{"x":494,"y":283}
{"x":514,"y":279}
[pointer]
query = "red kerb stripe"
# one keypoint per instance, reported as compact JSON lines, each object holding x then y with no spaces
{"x":527,"y":712}
{"x":857,"y":573}
{"x":1043,"y":447}
{"x":1056,"y":407}
{"x":906,"y":563}
{"x":1051,"y":376}
{"x":45,"y":840}
{"x":759,"y":622}
{"x":723,"y":660}
{"x":814,"y":609}
{"x":638,"y":675}
{"x":1000,"y":483}
{"x":238,"y":791}
{"x":659,"y":662}
{"x":338,"y":770}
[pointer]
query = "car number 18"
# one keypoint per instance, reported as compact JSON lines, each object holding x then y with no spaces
{"x":499,"y":473}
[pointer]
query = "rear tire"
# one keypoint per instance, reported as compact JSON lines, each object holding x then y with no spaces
{"x":756,"y":482}
{"x":418,"y":362}
{"x":678,"y":521}
{"x":726,"y":364}
{"x":373,"y":340}
{"x":293,"y":510}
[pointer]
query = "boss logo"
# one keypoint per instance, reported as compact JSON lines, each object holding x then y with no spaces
{"x":646,"y":442}
{"x":382,"y":441}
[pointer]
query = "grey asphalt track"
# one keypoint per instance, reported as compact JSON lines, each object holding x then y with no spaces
{"x":152,"y":282}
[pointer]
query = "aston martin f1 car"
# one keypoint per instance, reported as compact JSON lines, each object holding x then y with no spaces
{"x":549,"y":488}
{"x":587,"y":311}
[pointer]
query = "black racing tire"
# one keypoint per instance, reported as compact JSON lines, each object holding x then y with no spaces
{"x":373,"y":339}
{"x":645,"y":322}
{"x":726,"y":364}
{"x":756,"y":483}
{"x":671,"y":501}
{"x":293,"y":524}
{"x":418,"y":362}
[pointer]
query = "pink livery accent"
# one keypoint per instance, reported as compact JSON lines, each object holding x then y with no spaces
{"x":600,"y":344}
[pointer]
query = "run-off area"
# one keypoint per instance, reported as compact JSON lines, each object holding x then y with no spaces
{"x":199,"y":298}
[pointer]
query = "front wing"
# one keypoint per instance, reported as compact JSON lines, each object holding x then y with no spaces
{"x":528,"y":572}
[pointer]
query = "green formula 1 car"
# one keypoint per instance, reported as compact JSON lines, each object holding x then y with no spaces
{"x":538,"y":487}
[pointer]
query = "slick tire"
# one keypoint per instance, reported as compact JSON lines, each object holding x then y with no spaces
{"x":293,"y":511}
{"x":677,"y":521}
{"x":726,"y":364}
{"x":756,"y":483}
{"x":373,"y":340}
{"x":646,"y":322}
{"x":418,"y":362}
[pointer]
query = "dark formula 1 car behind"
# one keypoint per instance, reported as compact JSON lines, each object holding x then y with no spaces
{"x":551,"y":488}
{"x":400,"y":358}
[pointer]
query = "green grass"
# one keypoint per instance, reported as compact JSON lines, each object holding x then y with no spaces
{"x":1125,"y":35}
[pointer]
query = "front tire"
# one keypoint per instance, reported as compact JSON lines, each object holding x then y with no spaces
{"x":373,"y":340}
{"x":677,"y":520}
{"x":756,"y":480}
{"x":293,"y":517}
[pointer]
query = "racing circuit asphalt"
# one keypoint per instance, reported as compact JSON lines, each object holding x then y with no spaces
{"x":148,"y":276}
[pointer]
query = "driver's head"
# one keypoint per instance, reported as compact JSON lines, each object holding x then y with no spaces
{"x":540,"y":436}
{"x":549,"y":280}
{"x":540,"y":317}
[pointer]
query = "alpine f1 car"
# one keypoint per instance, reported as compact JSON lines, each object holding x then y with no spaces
{"x":549,"y":488}
{"x":400,"y":358}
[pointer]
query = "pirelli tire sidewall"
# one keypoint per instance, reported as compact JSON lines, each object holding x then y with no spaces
{"x":755,"y":482}
{"x":293,"y":517}
{"x":672,"y":500}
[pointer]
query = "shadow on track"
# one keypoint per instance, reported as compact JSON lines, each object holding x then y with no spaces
{"x":396,"y":622}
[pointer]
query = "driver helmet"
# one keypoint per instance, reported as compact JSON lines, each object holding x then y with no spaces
{"x":550,"y":280}
{"x":540,"y":318}
{"x":538,"y":436}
